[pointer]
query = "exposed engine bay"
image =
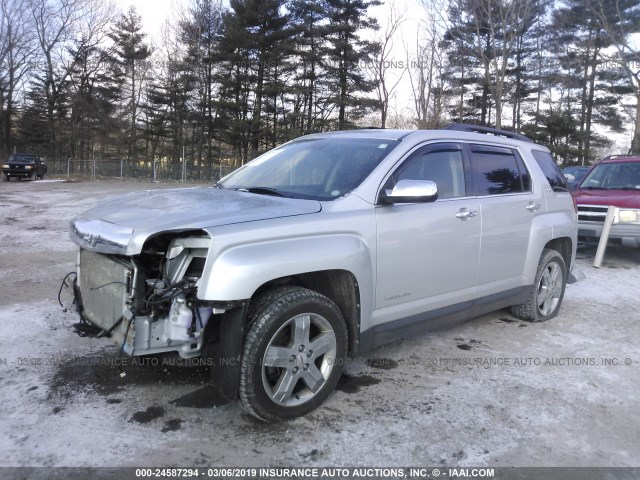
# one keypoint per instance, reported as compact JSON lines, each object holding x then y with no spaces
{"x":148,"y":302}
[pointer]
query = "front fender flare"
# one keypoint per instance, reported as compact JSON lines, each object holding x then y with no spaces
{"x":237,"y":272}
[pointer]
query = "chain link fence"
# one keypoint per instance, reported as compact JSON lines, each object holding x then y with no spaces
{"x":190,"y":172}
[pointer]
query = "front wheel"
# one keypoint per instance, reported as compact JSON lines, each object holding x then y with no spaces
{"x":7,"y":178}
{"x":293,"y":355}
{"x":547,"y":291}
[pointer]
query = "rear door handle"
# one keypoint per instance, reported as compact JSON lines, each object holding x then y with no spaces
{"x":465,"y":214}
{"x":532,"y":207}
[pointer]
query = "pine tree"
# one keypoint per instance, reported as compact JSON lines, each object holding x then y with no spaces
{"x":199,"y":31}
{"x":579,"y":40}
{"x":252,"y":48}
{"x":309,"y":28}
{"x":348,"y":53}
{"x":130,"y":50}
{"x":93,"y":90}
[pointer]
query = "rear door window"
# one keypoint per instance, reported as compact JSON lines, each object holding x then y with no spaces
{"x":498,"y":170}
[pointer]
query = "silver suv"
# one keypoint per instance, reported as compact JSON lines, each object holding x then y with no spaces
{"x":324,"y":248}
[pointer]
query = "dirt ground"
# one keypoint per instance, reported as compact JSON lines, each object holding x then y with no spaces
{"x":493,"y":392}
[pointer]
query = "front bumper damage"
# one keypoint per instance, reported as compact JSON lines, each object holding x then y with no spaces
{"x":144,"y":315}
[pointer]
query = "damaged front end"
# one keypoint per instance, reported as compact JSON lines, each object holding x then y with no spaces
{"x":148,"y":302}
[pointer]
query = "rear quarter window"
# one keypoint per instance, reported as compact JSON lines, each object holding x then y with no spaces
{"x":551,"y":170}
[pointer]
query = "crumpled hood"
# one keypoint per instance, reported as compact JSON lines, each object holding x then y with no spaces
{"x":121,"y":225}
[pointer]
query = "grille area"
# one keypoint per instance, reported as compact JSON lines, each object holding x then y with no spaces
{"x":104,"y":286}
{"x":592,"y":213}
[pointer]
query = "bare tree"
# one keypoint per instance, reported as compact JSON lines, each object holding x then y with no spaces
{"x":621,"y":20}
{"x":384,"y":62}
{"x":84,"y":68}
{"x":16,"y":54}
{"x":490,"y":29}
{"x":425,"y":65}
{"x":54,"y":22}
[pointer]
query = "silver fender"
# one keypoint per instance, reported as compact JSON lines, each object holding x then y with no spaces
{"x":237,"y":272}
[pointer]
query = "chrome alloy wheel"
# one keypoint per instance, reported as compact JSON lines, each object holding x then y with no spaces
{"x":299,"y":359}
{"x":549,"y":288}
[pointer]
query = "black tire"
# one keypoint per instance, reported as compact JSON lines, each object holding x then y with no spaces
{"x":547,"y":291}
{"x":7,"y":178}
{"x":289,"y":321}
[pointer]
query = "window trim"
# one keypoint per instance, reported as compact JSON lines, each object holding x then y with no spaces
{"x":560,"y":189}
{"x":432,"y":146}
{"x":519,"y":163}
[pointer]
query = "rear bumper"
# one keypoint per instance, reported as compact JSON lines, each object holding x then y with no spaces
{"x":622,"y":235}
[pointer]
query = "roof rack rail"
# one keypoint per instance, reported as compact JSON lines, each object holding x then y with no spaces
{"x":617,"y":155}
{"x":466,"y":127}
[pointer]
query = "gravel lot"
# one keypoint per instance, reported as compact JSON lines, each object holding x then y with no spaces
{"x":493,"y":392}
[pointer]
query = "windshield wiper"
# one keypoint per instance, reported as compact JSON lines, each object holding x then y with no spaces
{"x":264,"y":191}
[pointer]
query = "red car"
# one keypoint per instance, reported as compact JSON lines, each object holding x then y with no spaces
{"x":613,"y":181}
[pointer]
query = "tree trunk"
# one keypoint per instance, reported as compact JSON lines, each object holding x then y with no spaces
{"x":635,"y":142}
{"x":257,"y":107}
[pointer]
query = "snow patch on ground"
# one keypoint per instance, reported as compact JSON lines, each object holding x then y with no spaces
{"x":415,"y":402}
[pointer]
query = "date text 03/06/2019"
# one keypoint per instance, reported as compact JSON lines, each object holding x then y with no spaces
{"x":320,"y":473}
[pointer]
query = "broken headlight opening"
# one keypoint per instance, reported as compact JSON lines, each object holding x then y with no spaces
{"x":146,"y":303}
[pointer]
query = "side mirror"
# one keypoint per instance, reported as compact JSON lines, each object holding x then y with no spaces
{"x":410,"y":191}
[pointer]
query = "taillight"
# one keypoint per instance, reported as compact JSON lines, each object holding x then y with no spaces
{"x":574,"y":197}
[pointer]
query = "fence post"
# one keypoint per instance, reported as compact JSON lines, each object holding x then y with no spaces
{"x":121,"y":160}
{"x":184,"y":166}
{"x":69,"y":169}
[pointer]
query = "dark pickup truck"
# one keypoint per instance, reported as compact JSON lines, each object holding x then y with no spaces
{"x":24,"y":165}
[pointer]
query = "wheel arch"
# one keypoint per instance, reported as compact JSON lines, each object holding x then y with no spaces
{"x":340,"y":286}
{"x":564,"y":246}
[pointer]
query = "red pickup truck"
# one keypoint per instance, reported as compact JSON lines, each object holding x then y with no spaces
{"x":613,"y":181}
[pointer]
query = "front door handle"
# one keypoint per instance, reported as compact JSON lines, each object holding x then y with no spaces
{"x":465,"y":214}
{"x":533,"y":206}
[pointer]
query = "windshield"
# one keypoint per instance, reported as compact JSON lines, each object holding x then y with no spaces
{"x":22,"y":157}
{"x":318,"y":169}
{"x":613,"y":176}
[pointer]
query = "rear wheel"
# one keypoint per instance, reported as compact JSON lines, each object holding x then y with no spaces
{"x":293,"y":354}
{"x":547,"y":291}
